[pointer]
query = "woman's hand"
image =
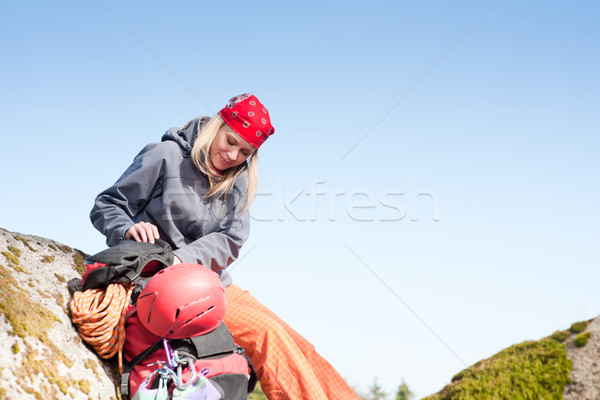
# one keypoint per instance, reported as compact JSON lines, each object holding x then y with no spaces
{"x":142,"y":232}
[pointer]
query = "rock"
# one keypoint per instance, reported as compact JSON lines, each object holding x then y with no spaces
{"x":41,"y":353}
{"x":585,"y":375}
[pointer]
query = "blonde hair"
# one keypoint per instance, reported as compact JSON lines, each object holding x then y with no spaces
{"x":221,"y":186}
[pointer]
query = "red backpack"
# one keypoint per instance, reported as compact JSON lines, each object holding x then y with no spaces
{"x":216,"y":356}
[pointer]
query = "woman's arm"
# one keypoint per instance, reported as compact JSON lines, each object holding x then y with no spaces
{"x":115,"y":207}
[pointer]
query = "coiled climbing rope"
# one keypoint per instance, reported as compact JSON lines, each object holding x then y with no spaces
{"x":100,"y":318}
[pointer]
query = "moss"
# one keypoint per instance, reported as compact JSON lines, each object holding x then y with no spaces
{"x":7,"y":279}
{"x":579,"y":327}
{"x":64,"y":248}
{"x":11,"y":258}
{"x":15,"y":348}
{"x":15,"y":251}
{"x":528,"y":370}
{"x":3,"y":393}
{"x":31,"y":284}
{"x":48,"y":259}
{"x":43,"y":294}
{"x":79,"y":261}
{"x":18,"y":268}
{"x":60,"y":278}
{"x":560,"y":336}
{"x":91,"y":364}
{"x":53,"y":247}
{"x":38,"y":396}
{"x":60,"y":300}
{"x":582,"y":339}
{"x":25,"y":242}
{"x":34,"y":364}
{"x":84,"y":386}
{"x":26,"y":317}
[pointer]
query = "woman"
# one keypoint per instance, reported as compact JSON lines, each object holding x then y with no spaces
{"x":193,"y":190}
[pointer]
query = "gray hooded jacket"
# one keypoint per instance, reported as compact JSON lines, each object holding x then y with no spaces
{"x":165,"y":188}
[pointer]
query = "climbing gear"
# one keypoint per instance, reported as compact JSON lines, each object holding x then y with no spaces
{"x":197,"y":387}
{"x":114,"y":277}
{"x":99,"y":316}
{"x":181,"y":301}
{"x":162,"y":392}
{"x":248,"y":118}
{"x":214,"y":355}
{"x":128,"y":262}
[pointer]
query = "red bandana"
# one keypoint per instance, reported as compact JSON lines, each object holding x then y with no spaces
{"x":248,"y":118}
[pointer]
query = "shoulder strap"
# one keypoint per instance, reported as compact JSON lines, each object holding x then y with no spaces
{"x":253,"y":376}
{"x":128,"y":366}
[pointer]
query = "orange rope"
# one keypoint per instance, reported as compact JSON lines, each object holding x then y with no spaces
{"x":100,"y":318}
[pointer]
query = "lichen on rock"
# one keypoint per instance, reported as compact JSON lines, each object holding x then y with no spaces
{"x":42,"y":355}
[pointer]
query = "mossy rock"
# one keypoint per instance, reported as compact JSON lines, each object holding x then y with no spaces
{"x":582,"y":339}
{"x":560,"y":336}
{"x":528,"y":370}
{"x":42,"y":355}
{"x":579,"y":327}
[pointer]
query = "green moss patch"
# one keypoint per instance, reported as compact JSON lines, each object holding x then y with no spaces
{"x":32,"y":321}
{"x":579,"y":327}
{"x":26,"y":317}
{"x":93,"y":365}
{"x":25,"y":242}
{"x":60,"y":300}
{"x":64,"y":248}
{"x":15,"y":348}
{"x":35,"y":364}
{"x":60,"y":278}
{"x":560,"y":336}
{"x":528,"y":370}
{"x":79,"y":262}
{"x":582,"y":339}
{"x":48,"y":259}
{"x":11,"y":258}
{"x":84,"y":386}
{"x":15,"y":251}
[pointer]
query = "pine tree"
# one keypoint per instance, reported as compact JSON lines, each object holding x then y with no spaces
{"x":376,"y":392}
{"x":404,"y":392}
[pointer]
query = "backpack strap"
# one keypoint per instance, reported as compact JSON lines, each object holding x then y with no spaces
{"x":128,"y":366}
{"x":218,"y":342}
{"x":253,"y":379}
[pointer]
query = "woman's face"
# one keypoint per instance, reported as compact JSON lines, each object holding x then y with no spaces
{"x":229,"y":149}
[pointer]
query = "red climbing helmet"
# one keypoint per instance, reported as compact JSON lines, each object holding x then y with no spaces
{"x":181,"y":301}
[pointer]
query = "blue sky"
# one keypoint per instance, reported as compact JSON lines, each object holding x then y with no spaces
{"x":454,"y":147}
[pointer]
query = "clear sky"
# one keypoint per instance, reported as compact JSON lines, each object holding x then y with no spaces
{"x":430,"y":195}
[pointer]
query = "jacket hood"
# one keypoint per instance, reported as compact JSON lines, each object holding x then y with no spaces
{"x":185,"y":135}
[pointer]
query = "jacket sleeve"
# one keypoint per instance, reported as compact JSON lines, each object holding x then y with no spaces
{"x":115,"y":207}
{"x":221,"y":247}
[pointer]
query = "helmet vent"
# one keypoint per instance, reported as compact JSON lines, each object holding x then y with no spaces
{"x":199,"y":315}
